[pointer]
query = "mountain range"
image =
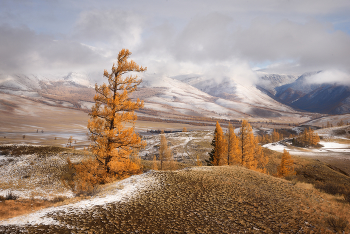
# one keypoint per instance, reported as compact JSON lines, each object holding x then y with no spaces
{"x":300,"y":94}
{"x":274,"y":96}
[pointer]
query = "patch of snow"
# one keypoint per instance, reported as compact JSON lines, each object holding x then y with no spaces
{"x":298,"y":130}
{"x":276,"y":146}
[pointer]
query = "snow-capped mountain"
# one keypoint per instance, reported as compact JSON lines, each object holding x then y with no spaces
{"x":19,"y":82}
{"x":304,"y":95}
{"x":235,"y":92}
{"x":78,"y":79}
{"x":269,"y":82}
{"x":328,"y":99}
{"x":190,"y":95}
{"x":301,"y":84}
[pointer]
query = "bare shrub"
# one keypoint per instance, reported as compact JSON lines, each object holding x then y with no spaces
{"x":58,"y":199}
{"x":11,"y":196}
{"x":337,"y":224}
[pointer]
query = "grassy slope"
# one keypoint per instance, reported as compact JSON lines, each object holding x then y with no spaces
{"x":310,"y":171}
{"x":207,"y":200}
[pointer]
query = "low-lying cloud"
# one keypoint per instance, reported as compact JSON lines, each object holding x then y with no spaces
{"x":330,"y":76}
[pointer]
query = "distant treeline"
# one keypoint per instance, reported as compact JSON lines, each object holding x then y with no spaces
{"x":162,"y":131}
{"x":206,"y":121}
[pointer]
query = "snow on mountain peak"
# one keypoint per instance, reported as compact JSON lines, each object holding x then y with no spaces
{"x":78,"y":78}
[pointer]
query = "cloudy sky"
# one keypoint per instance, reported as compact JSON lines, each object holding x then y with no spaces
{"x":218,"y":38}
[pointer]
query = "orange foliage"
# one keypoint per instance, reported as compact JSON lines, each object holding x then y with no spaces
{"x":154,"y":164}
{"x":307,"y":138}
{"x":247,"y":146}
{"x":233,"y":150}
{"x":164,"y":152}
{"x":113,"y":143}
{"x":244,"y":149}
{"x":218,"y":155}
{"x":286,"y":167}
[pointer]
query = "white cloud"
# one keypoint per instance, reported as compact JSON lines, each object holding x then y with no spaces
{"x":216,"y":38}
{"x":109,"y":28}
{"x":330,"y":76}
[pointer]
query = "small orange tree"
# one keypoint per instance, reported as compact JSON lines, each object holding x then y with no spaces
{"x":164,"y":152}
{"x":113,"y":143}
{"x":247,"y":146}
{"x":286,"y":167}
{"x":218,"y":156}
{"x":233,"y":150}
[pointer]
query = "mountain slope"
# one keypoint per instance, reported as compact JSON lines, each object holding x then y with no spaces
{"x":240,"y":96}
{"x":302,"y":94}
{"x":269,"y":82}
{"x":185,"y":96}
{"x":329,"y":99}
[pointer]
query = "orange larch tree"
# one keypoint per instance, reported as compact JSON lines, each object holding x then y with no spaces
{"x":247,"y":146}
{"x":233,"y":150}
{"x":113,"y":142}
{"x":260,"y":157}
{"x":275,"y":136}
{"x":286,"y":167}
{"x":164,"y":152}
{"x":217,"y":156}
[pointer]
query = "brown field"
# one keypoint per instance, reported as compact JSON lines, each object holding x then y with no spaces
{"x":13,"y":208}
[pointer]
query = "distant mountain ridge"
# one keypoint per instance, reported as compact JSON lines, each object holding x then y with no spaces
{"x":274,"y":96}
{"x":182,"y":96}
{"x":323,"y":98}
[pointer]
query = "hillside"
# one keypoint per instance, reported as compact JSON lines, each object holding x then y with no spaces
{"x":325,"y":98}
{"x":269,"y":82}
{"x":201,"y":200}
{"x":328,"y":99}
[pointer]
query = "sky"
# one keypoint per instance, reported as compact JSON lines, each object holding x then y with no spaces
{"x":217,"y":39}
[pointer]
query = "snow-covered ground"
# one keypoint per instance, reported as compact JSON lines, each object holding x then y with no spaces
{"x":327,"y":146}
{"x":120,"y":191}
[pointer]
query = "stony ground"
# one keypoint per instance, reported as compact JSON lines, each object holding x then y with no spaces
{"x":198,"y":200}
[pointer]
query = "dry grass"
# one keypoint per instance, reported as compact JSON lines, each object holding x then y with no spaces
{"x":210,"y":200}
{"x":13,"y":208}
{"x":309,"y":170}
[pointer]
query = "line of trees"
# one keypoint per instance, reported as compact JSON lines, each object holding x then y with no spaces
{"x":308,"y":138}
{"x":274,"y":137}
{"x":244,"y":149}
